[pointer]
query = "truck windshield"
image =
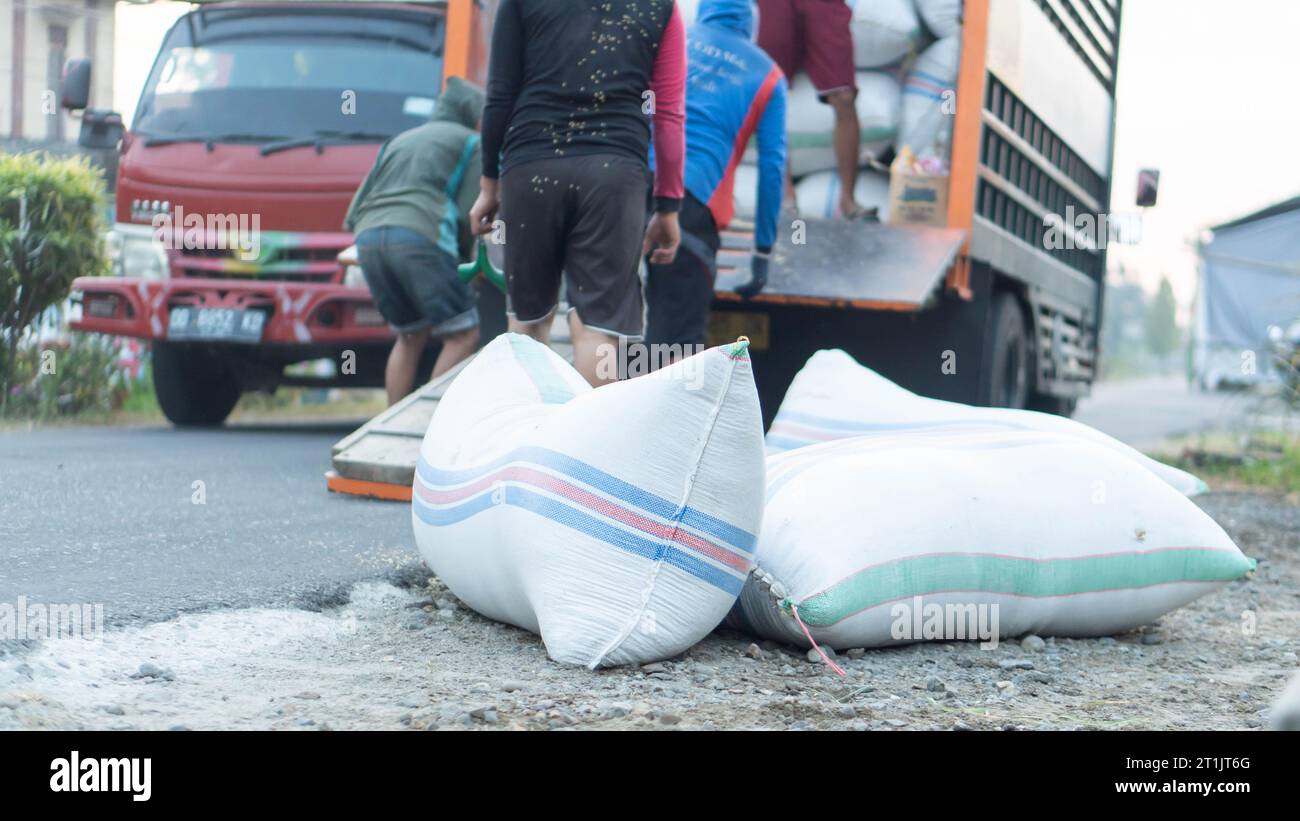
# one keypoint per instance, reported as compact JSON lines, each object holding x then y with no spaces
{"x":288,"y":86}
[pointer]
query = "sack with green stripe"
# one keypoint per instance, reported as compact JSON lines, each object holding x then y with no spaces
{"x":618,"y":523}
{"x":973,"y":534}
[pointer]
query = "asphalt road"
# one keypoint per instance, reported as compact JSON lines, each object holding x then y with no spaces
{"x":1145,"y":412}
{"x":109,"y":515}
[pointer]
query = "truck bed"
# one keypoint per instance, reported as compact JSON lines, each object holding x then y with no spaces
{"x":870,"y":266}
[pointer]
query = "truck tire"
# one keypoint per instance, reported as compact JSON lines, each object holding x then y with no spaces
{"x":1059,"y":405}
{"x":1009,"y":380}
{"x":194,"y":388}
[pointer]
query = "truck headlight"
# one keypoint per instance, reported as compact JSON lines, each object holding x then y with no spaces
{"x":134,"y":251}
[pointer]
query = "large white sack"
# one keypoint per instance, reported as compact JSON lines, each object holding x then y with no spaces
{"x":810,"y":123}
{"x":924,"y":123}
{"x":744,"y":191}
{"x":1005,"y":532}
{"x":884,"y":31}
{"x":818,"y":194}
{"x":942,"y":17}
{"x":617,"y":523}
{"x":833,"y":397}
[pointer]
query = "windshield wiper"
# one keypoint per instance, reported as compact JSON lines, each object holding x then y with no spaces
{"x":209,"y":139}
{"x":318,"y":139}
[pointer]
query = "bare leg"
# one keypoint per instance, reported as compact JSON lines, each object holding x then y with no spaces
{"x":789,"y":201}
{"x":456,"y":348}
{"x":595,"y":353}
{"x":846,"y":147}
{"x":540,"y":330}
{"x":399,"y":374}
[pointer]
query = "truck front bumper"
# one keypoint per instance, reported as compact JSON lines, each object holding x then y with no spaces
{"x":297,"y":313}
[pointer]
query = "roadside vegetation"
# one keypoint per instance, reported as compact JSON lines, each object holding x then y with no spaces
{"x":1268,"y":461}
{"x":51,"y":231}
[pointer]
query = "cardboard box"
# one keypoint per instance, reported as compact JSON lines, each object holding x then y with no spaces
{"x":917,"y":199}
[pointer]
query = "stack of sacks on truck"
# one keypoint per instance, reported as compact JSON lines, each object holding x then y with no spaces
{"x":886,"y":33}
{"x":941,"y":17}
{"x":619,"y":524}
{"x":818,"y":195}
{"x":917,"y":519}
{"x":928,"y":100}
{"x":889,"y":43}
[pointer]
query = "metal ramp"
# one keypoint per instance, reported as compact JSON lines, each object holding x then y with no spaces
{"x":869,"y":266}
{"x":378,"y":459}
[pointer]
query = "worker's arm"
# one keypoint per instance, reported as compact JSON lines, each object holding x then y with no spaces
{"x":668,"y":83}
{"x":771,"y":167}
{"x":505,"y":80}
{"x":771,"y":185}
{"x":468,"y":193}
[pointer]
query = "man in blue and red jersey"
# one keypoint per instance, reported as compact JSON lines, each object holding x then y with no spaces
{"x":733,"y":91}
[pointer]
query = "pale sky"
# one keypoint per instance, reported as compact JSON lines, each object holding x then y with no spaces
{"x":1206,"y":94}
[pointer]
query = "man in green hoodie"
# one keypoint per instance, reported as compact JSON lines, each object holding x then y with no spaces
{"x":410,"y":217}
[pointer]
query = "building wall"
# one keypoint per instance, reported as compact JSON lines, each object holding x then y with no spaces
{"x":32,"y":35}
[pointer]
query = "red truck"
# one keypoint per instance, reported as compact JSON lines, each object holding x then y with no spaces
{"x":246,"y":113}
{"x":256,"y":125}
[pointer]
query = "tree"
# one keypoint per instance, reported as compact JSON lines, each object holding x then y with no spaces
{"x":1162,"y":322}
{"x":51,"y":232}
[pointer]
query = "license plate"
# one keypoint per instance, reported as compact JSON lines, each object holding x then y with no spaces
{"x":215,"y":324}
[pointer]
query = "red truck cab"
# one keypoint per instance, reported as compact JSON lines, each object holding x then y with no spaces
{"x":258,"y":122}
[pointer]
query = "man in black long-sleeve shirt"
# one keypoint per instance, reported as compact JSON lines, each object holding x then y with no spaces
{"x":572,"y":88}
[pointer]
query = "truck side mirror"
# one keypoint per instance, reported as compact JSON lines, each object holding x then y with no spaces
{"x":75,"y":86}
{"x":101,"y":129}
{"x":1148,"y":187}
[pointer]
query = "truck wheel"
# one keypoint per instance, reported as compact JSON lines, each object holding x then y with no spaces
{"x":1059,"y":405}
{"x":1009,"y":382}
{"x":194,"y":388}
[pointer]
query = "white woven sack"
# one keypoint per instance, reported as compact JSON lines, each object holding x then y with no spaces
{"x":617,"y":523}
{"x":973,"y":534}
{"x":833,"y":397}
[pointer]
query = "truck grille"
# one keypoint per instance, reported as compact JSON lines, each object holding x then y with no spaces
{"x":278,"y":260}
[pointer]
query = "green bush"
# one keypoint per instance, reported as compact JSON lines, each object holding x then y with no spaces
{"x":75,"y":375}
{"x":51,"y":232}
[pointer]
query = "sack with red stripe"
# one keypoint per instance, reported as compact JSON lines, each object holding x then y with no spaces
{"x":618,"y":523}
{"x":833,"y":397}
{"x":969,"y":533}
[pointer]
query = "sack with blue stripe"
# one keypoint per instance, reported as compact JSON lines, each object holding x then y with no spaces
{"x":973,"y":533}
{"x":618,"y":523}
{"x":833,"y":397}
{"x":925,"y":122}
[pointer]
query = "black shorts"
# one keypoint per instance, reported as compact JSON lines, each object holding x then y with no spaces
{"x":583,"y":217}
{"x":680,"y":294}
{"x":414,"y":282}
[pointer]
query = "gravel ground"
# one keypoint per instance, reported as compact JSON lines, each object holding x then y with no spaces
{"x":397,"y":658}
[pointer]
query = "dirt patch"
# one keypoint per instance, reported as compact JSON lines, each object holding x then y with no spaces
{"x":414,"y":658}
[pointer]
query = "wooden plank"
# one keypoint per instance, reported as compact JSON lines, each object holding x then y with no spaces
{"x":412,"y":412}
{"x":373,"y":490}
{"x":378,"y":459}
